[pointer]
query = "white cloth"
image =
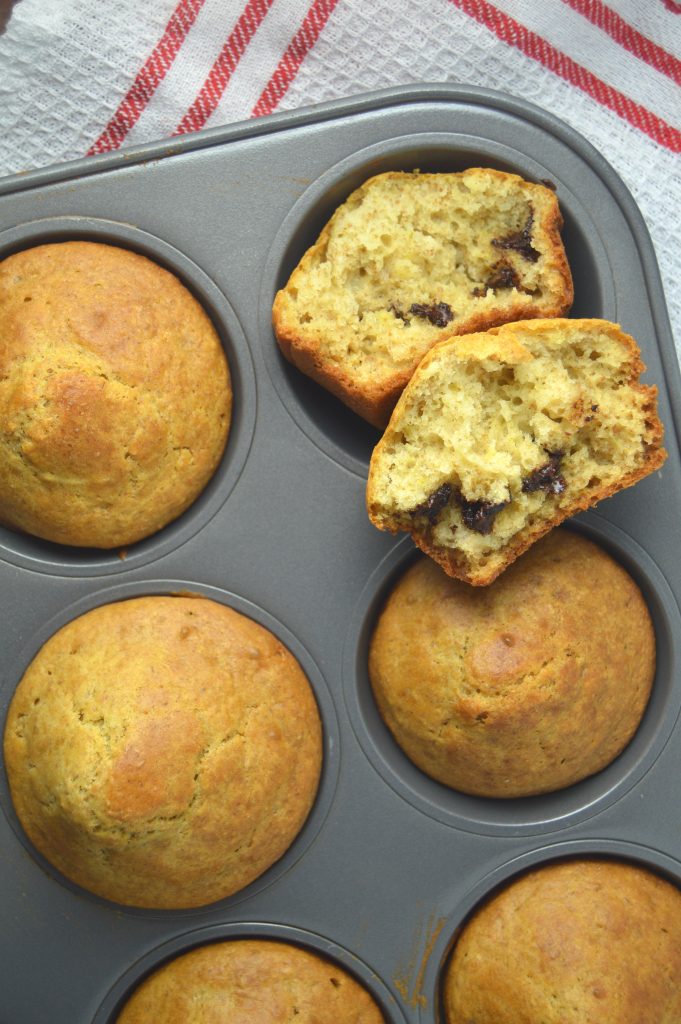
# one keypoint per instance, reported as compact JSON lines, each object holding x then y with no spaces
{"x":79,"y":76}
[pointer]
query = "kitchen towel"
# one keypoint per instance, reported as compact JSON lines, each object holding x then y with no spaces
{"x":83,"y":77}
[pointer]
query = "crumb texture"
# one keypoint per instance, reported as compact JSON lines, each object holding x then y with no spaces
{"x":578,"y":942}
{"x":251,"y":981}
{"x":507,"y":690}
{"x":115,"y":395}
{"x":409,"y":259}
{"x":163,"y":751}
{"x":502,"y":435}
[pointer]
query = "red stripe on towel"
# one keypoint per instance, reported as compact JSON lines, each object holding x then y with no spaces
{"x":629,"y":38}
{"x":224,"y":67}
{"x":534,"y":46}
{"x":149,"y":77}
{"x":289,"y":65}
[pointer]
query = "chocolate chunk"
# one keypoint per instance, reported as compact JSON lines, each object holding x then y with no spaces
{"x":547,"y":477}
{"x":520,"y":241}
{"x":502,"y":276}
{"x":547,"y":183}
{"x":433,"y":505}
{"x":479,"y":515}
{"x":439,"y":314}
{"x":396,"y":311}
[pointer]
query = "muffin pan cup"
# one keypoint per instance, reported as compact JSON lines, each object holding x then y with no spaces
{"x":389,"y":863}
{"x":604,"y":849}
{"x":181,"y":944}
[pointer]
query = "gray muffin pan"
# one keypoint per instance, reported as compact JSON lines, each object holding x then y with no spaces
{"x":390,"y":862}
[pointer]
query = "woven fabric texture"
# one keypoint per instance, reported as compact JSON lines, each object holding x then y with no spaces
{"x":79,"y":77}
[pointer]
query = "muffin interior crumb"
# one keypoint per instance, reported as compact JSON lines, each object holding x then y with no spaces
{"x":403,"y":263}
{"x":482,"y":446}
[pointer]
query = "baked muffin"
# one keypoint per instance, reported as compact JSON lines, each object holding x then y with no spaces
{"x":250,"y":981}
{"x":501,"y":436}
{"x":523,"y":687}
{"x":410,"y":259}
{"x":115,"y":395}
{"x":578,"y":942}
{"x":163,"y":751}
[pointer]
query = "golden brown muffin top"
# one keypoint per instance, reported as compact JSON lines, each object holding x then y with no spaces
{"x":522,"y":687}
{"x":115,"y":395}
{"x":579,"y":942}
{"x":163,"y":751}
{"x":250,"y":982}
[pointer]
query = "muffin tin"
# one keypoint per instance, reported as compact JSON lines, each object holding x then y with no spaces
{"x":390,"y":862}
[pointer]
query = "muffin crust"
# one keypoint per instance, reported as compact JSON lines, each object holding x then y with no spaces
{"x":509,"y":690}
{"x":163,"y":751}
{"x":115,"y":395}
{"x":251,"y":981}
{"x":579,"y":942}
